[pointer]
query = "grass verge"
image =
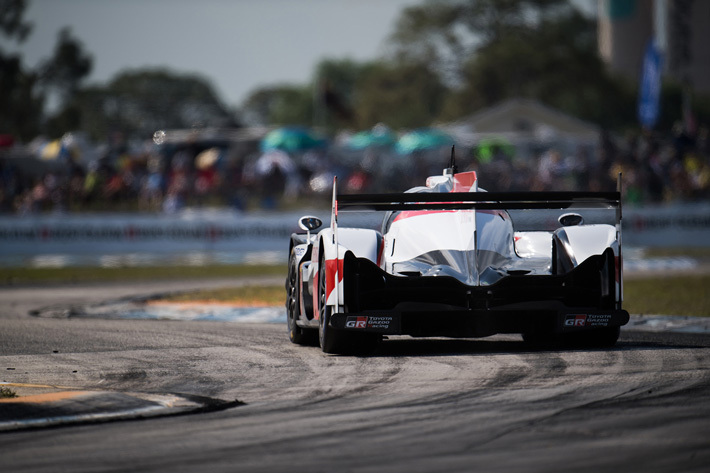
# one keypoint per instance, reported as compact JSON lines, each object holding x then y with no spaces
{"x":242,"y":296}
{"x":677,"y":295}
{"x":700,"y":253}
{"x":669,"y":295}
{"x":14,"y":276}
{"x":7,"y":393}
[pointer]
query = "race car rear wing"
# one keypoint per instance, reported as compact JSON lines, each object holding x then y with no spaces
{"x":480,"y":200}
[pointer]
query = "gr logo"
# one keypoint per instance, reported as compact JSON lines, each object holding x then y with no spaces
{"x":356,"y":322}
{"x":575,"y":320}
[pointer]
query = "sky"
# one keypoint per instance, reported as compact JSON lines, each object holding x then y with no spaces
{"x":239,"y":45}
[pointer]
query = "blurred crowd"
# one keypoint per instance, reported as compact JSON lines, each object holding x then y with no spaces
{"x":655,"y":168}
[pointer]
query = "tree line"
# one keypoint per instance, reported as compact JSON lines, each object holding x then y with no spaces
{"x":444,"y":60}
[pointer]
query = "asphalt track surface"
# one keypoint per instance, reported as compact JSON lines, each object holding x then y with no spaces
{"x":431,"y":405}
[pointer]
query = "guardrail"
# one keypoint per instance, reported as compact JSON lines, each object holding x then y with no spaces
{"x":224,"y":231}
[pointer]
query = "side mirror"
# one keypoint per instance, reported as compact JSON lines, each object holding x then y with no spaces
{"x":571,"y":219}
{"x":309,"y":223}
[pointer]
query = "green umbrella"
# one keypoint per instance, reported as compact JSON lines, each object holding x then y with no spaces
{"x":487,"y":147}
{"x":291,"y":139}
{"x":378,"y":136}
{"x":423,"y":139}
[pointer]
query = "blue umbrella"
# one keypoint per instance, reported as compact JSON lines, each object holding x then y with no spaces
{"x":423,"y":139}
{"x":291,"y":139}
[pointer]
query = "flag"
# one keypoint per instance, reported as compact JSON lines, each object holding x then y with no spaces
{"x":650,"y":90}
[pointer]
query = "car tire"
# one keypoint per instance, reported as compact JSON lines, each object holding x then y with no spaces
{"x":296,"y":334}
{"x":603,"y":337}
{"x":598,"y":338}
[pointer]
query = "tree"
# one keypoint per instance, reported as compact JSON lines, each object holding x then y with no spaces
{"x":62,"y":75}
{"x":336,"y":82}
{"x":557,"y":64}
{"x":284,"y":104}
{"x":444,"y":33}
{"x":67,"y":67}
{"x":12,"y":25}
{"x":135,"y":103}
{"x":401,"y":96}
{"x":348,"y":94}
{"x":328,"y":101}
{"x":490,"y":50}
{"x":139,"y":102}
{"x":21,"y":101}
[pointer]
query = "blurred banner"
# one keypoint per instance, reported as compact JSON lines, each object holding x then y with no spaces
{"x":677,"y":225}
{"x":650,"y":90}
{"x":201,"y":231}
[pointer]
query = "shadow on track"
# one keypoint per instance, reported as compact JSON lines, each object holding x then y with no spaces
{"x":494,"y":345}
{"x":638,"y":340}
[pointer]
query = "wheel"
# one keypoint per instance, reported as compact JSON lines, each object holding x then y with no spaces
{"x":295,"y":333}
{"x":598,"y":338}
{"x":603,"y":337}
{"x":540,"y":335}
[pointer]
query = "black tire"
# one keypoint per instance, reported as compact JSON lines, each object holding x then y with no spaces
{"x":602,"y":338}
{"x":541,"y":335}
{"x":296,"y":334}
{"x":598,"y":338}
{"x":538,"y":339}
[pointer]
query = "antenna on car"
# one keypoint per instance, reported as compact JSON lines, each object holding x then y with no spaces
{"x":452,"y":163}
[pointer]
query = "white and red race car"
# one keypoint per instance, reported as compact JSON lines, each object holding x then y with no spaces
{"x":448,"y":262}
